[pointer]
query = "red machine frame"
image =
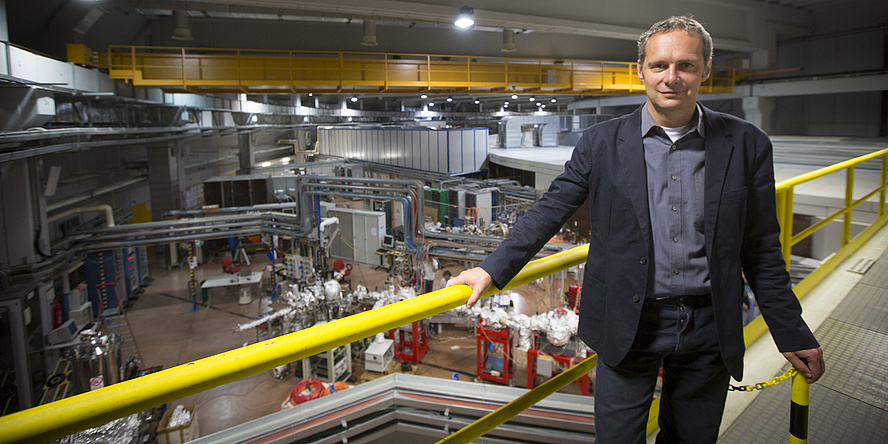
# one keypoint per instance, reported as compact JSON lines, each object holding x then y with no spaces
{"x":534,"y":352}
{"x":504,"y":337}
{"x":419,"y":342}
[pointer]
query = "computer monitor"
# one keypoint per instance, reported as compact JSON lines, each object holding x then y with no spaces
{"x":388,"y":241}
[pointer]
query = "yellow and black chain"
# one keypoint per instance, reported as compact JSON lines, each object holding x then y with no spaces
{"x":761,"y":385}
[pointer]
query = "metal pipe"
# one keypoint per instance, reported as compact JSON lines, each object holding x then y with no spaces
{"x":51,"y":421}
{"x":109,"y":213}
{"x":50,"y":207}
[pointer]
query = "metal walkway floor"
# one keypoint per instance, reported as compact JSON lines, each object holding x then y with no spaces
{"x":850,"y":403}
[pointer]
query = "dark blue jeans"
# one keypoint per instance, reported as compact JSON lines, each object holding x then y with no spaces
{"x":679,"y":335}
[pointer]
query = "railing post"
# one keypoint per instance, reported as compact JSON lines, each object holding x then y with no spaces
{"x":784,"y":217}
{"x":849,"y":200}
{"x":798,"y":416}
{"x":883,"y":184}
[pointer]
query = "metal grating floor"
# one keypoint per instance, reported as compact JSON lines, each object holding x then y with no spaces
{"x":850,"y":403}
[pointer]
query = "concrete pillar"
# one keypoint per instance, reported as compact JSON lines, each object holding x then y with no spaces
{"x":165,"y":176}
{"x":22,"y":213}
{"x":245,"y":153}
{"x":758,"y":110}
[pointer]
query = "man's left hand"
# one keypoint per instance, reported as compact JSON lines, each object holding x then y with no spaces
{"x":808,"y":362}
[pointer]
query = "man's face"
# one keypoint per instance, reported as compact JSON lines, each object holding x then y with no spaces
{"x":672,"y":72}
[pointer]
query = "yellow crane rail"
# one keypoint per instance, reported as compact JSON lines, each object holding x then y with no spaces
{"x":215,"y":70}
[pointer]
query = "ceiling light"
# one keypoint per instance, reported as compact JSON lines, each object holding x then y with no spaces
{"x":285,"y":160}
{"x":506,"y":103}
{"x":354,"y":98}
{"x":310,"y":94}
{"x":514,"y":96}
{"x":450,"y":99}
{"x":542,"y":106}
{"x":431,"y":103}
{"x":553,"y":100}
{"x":477,"y":102}
{"x":266,"y":164}
{"x":532,"y":98}
{"x":538,"y":104}
{"x":424,"y":96}
{"x":464,"y":19}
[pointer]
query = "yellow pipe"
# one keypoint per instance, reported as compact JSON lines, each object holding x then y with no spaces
{"x":493,"y":419}
{"x":80,"y":412}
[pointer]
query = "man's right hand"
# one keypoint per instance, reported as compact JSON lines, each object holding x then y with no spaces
{"x":477,"y":279}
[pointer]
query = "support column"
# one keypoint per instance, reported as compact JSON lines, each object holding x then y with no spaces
{"x":165,"y":174}
{"x":758,"y":110}
{"x":245,"y":153}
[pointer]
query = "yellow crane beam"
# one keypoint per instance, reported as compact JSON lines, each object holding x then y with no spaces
{"x":215,"y":70}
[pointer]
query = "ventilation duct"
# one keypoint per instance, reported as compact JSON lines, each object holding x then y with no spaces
{"x":508,"y":40}
{"x":369,"y":38}
{"x":181,"y":31}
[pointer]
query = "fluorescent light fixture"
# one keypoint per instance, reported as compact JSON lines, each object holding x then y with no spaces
{"x":450,"y":99}
{"x":477,"y":102}
{"x":424,"y":96}
{"x":464,"y":19}
{"x":431,"y":103}
{"x":514,"y":96}
{"x":532,"y":98}
{"x":285,"y":160}
{"x":266,"y":164}
{"x":553,"y":100}
{"x":354,"y":98}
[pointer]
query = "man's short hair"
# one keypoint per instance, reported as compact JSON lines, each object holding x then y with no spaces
{"x":675,"y":23}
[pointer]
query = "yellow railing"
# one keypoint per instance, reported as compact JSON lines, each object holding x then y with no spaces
{"x":215,"y":70}
{"x":57,"y":419}
{"x":60,"y":418}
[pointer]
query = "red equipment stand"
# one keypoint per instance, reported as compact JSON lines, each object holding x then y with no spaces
{"x":484,"y":337}
{"x":419,"y":343}
{"x":533,"y":353}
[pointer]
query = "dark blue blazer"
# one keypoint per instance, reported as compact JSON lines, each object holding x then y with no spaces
{"x":740,"y":224}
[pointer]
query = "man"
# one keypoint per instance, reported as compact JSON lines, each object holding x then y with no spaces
{"x":681,"y":202}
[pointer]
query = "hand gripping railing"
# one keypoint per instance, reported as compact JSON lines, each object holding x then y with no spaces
{"x":80,"y":412}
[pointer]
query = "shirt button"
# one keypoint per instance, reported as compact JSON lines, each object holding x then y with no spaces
{"x":635,"y":298}
{"x":674,"y":208}
{"x":673,"y":148}
{"x":675,"y":239}
{"x":642,"y":260}
{"x":675,"y":271}
{"x":674,"y":177}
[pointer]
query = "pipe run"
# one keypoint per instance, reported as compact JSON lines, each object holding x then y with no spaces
{"x":109,"y":213}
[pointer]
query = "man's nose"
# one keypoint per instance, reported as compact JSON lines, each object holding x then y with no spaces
{"x":671,"y":74}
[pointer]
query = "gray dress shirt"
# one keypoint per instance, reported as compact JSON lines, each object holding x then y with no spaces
{"x":675,"y":184}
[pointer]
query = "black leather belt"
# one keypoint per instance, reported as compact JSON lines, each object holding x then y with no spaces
{"x":702,"y":300}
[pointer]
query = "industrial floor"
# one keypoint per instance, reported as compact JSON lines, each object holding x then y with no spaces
{"x":849,"y":405}
{"x":167,"y":332}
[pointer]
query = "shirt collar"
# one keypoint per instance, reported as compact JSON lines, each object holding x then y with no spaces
{"x":647,"y":122}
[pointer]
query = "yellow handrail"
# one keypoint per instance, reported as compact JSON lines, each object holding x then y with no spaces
{"x":60,"y":418}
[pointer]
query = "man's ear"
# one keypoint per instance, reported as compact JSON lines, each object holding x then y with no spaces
{"x":640,"y":72}
{"x":707,"y":71}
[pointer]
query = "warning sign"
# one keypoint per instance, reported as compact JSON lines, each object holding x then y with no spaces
{"x":96,"y":382}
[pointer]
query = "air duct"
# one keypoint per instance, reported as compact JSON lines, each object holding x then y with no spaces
{"x":369,"y":38}
{"x":508,"y":40}
{"x":181,"y":31}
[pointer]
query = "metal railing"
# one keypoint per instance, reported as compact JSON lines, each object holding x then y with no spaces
{"x":97,"y":407}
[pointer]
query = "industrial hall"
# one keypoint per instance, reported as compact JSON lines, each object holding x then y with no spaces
{"x":421,"y":221}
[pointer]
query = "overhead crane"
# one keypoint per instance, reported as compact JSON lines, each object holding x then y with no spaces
{"x":219,"y":70}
